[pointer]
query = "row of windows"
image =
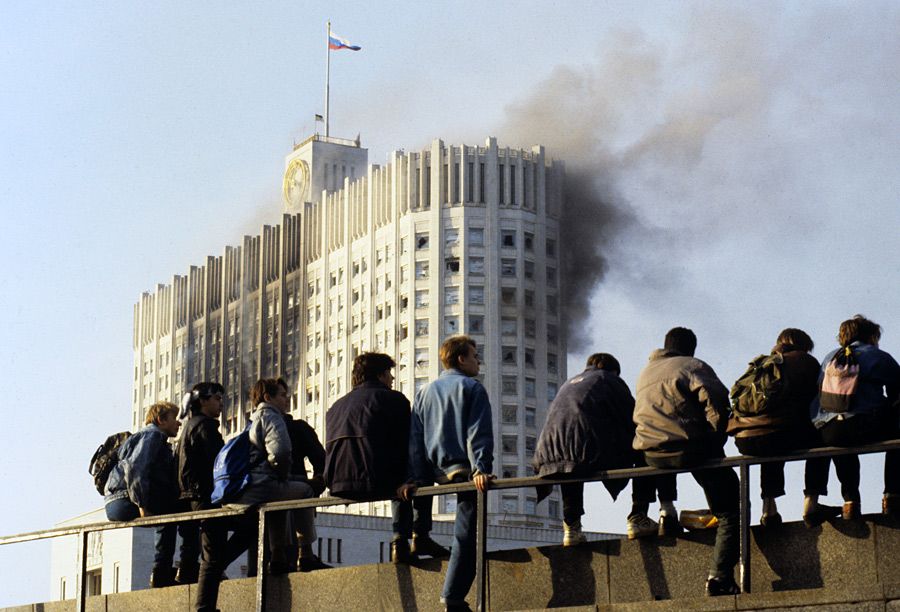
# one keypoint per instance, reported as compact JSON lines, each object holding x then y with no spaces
{"x":475,"y":237}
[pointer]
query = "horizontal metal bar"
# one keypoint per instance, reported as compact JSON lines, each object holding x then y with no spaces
{"x":506,"y":483}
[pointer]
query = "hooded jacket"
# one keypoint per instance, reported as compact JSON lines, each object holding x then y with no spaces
{"x":681,"y":405}
{"x":368,"y":441}
{"x":270,"y":451}
{"x":145,"y":473}
{"x":589,"y":428}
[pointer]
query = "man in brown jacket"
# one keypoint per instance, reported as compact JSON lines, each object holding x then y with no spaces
{"x":680,"y":414}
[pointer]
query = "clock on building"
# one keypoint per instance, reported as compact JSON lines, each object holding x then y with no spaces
{"x":296,"y":183}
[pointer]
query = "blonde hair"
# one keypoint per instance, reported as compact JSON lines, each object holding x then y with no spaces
{"x":159,"y":412}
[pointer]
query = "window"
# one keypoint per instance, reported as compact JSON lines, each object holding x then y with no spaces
{"x":509,"y":471}
{"x":451,"y":325}
{"x":553,"y":510}
{"x":508,"y":239}
{"x":476,"y":236}
{"x":509,"y":385}
{"x":510,"y":414}
{"x":508,"y":327}
{"x":530,"y":416}
{"x":552,"y":333}
{"x":500,"y":184}
{"x":509,"y":503}
{"x":528,"y":240}
{"x":404,"y":302}
{"x":404,"y":274}
{"x":421,"y":241}
{"x":476,"y":265}
{"x":551,"y":247}
{"x":481,"y":182}
{"x":551,"y":391}
{"x":476,"y":294}
{"x":476,"y":324}
{"x":552,"y":307}
{"x":421,"y":270}
{"x":508,"y":295}
{"x":529,"y":328}
{"x":421,"y":327}
{"x":509,"y":443}
{"x":512,"y":184}
{"x":422,"y":361}
{"x":529,"y":387}
{"x":529,"y":358}
{"x":451,"y":296}
{"x":529,"y":298}
{"x":551,"y":277}
{"x":530,"y":505}
{"x":422,"y":298}
{"x":404,"y":332}
{"x":451,"y":237}
{"x":448,"y":503}
{"x":509,"y":355}
{"x":551,"y":363}
{"x":530,"y":443}
{"x":508,"y":267}
{"x":529,"y":269}
{"x":451,"y":265}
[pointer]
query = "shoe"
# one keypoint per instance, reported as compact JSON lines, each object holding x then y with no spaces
{"x":890,"y":505}
{"x":770,"y":521}
{"x":572,"y":534}
{"x":716,"y":587}
{"x":820,"y":514}
{"x":457,"y":607}
{"x":187,"y":574}
{"x":161,"y":577}
{"x":669,"y":526}
{"x":400,"y":551}
{"x":424,"y":546}
{"x":311,"y":564}
{"x":850,"y":511}
{"x":641,"y":526}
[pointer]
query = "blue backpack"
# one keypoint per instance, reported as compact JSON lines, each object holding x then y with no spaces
{"x":231,"y":470}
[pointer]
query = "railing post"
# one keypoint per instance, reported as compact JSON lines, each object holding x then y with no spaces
{"x":81,"y":578}
{"x":745,"y":527}
{"x":481,"y":565}
{"x":261,"y":562}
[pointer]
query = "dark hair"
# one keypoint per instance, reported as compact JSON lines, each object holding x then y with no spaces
{"x":793,"y":339}
{"x":203,"y":390}
{"x":369,"y":366}
{"x":681,"y":340}
{"x":859,"y":329}
{"x":453,"y":348}
{"x":263,"y":387}
{"x":604,"y":361}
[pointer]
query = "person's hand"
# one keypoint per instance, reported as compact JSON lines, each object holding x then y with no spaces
{"x":143,"y":512}
{"x":406,"y":491}
{"x":317,"y":483}
{"x":483,"y":481}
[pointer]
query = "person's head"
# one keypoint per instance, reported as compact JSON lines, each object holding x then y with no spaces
{"x":273,"y":391}
{"x":371,"y":367}
{"x":681,"y":340}
{"x":793,"y":339}
{"x":461,"y":353}
{"x":859,"y":329}
{"x":206,"y":398}
{"x":165,"y":416}
{"x":604,"y":361}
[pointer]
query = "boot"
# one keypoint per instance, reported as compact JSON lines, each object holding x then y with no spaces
{"x":850,"y":511}
{"x":423,"y":545}
{"x":400,"y":551}
{"x":161,"y":577}
{"x":187,"y":573}
{"x":311,"y":564}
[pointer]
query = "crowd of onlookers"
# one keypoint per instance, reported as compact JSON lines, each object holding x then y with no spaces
{"x":378,"y":446}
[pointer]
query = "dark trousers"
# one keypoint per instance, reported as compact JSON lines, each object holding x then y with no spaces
{"x":461,"y":567}
{"x":771,"y":475}
{"x":218,"y":552}
{"x":722,"y":490}
{"x":854,"y":431}
{"x":411,"y":517}
{"x":643,"y":493}
{"x":164,"y":537}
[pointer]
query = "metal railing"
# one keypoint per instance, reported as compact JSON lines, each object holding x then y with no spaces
{"x":742,"y":462}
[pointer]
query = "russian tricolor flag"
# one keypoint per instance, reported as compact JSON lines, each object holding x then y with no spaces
{"x":336,"y":43}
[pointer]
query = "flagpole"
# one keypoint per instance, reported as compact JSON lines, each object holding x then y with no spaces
{"x":327,"y":73}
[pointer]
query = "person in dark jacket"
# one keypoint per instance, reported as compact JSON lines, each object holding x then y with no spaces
{"x":143,"y":484}
{"x":589,"y":428}
{"x":680,"y":414}
{"x":366,"y":453}
{"x":196,"y":451}
{"x":870,"y":417}
{"x":785,"y":426}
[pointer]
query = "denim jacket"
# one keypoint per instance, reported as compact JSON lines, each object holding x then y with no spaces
{"x":145,"y":473}
{"x":451,"y":430}
{"x":878,"y":387}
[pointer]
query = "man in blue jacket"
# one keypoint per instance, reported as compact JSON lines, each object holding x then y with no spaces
{"x":452,"y":440}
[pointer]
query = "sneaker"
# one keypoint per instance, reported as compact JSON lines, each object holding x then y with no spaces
{"x":572,"y":535}
{"x":721,"y":586}
{"x":641,"y":526}
{"x":669,"y":526}
{"x":161,"y":577}
{"x":770,"y":521}
{"x":819,"y":514}
{"x":850,"y":511}
{"x":424,"y":546}
{"x":311,"y":564}
{"x":400,"y":551}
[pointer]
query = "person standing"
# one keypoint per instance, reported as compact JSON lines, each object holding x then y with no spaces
{"x":680,"y":414}
{"x":452,"y":440}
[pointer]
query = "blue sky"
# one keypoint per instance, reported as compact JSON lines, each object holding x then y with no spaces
{"x":755,"y":146}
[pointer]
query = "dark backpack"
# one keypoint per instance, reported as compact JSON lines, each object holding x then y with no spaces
{"x":231,"y":470}
{"x":839,"y":382}
{"x":105,"y":459}
{"x":757,"y":391}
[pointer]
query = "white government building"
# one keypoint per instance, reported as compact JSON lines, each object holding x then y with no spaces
{"x":447,"y":240}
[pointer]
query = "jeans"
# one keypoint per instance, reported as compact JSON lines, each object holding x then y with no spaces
{"x":461,"y":567}
{"x":218,"y":552}
{"x":282,"y":526}
{"x":411,"y":517}
{"x":164,"y":538}
{"x":855,"y":431}
{"x":722,"y":489}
